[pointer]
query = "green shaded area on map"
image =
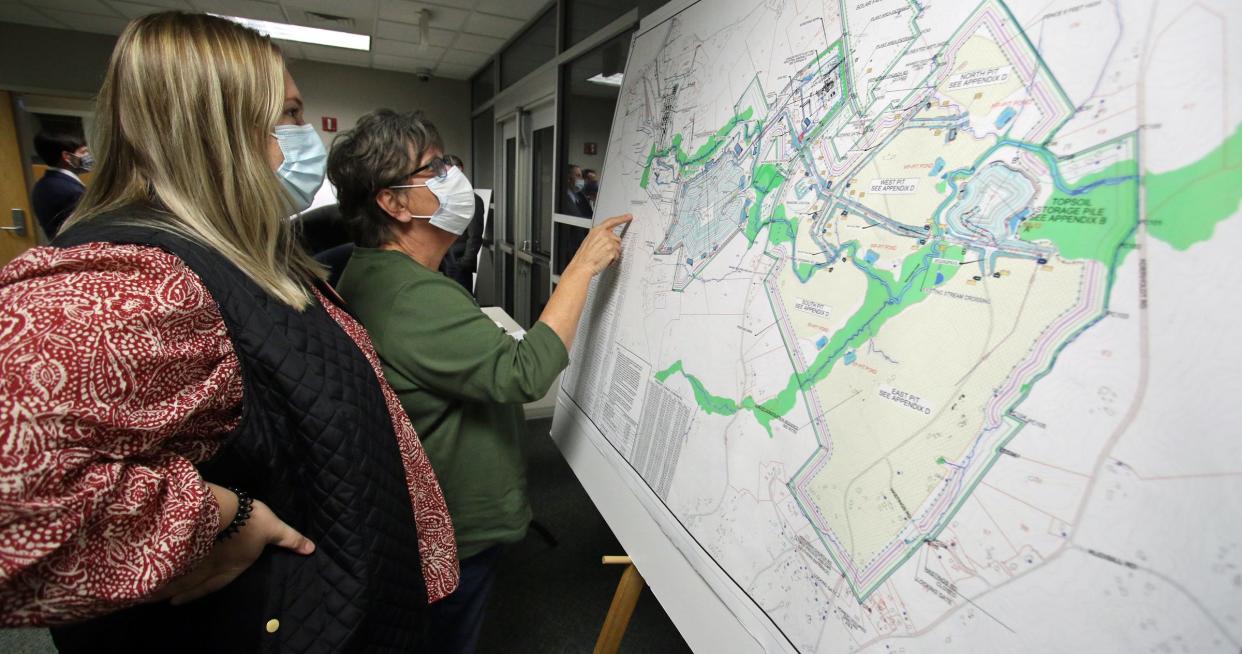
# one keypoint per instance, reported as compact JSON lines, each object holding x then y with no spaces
{"x":783,"y":229}
{"x":709,"y":149}
{"x":706,"y":401}
{"x":768,"y":177}
{"x":1091,"y":224}
{"x":1185,"y":204}
{"x":702,"y":154}
{"x":764,"y":412}
{"x":804,"y":270}
{"x":886,"y":297}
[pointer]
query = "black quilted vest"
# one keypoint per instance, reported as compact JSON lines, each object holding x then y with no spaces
{"x":316,"y":444}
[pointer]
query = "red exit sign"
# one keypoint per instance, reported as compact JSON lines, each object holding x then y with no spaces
{"x":329,"y":123}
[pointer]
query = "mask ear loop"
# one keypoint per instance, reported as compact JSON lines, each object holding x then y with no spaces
{"x":414,"y":186}
{"x":427,"y":186}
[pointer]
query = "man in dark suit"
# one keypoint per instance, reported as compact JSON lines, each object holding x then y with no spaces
{"x":590,"y":190}
{"x":57,"y":193}
{"x":576,"y":204}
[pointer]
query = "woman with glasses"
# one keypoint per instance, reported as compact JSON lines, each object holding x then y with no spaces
{"x":461,"y":379}
{"x":200,"y":452}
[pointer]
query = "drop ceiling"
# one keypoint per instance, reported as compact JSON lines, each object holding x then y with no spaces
{"x":462,"y":36}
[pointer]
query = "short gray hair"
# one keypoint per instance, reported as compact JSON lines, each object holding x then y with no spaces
{"x":372,"y":156}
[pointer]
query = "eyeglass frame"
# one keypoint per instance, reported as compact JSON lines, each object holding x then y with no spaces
{"x":439,"y":166}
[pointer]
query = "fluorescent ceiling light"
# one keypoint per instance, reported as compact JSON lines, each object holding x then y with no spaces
{"x":287,"y":32}
{"x":608,"y":80}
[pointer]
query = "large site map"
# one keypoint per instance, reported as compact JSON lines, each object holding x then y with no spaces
{"x":926,"y":332}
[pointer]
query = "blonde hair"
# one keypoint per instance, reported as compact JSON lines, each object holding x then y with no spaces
{"x":182,"y":125}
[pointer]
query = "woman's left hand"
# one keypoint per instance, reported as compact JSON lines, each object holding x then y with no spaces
{"x":232,"y":556}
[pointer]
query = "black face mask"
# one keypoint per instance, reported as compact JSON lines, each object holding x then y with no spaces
{"x":591,"y":187}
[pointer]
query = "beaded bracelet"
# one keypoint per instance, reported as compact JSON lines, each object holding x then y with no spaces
{"x":245,"y":504}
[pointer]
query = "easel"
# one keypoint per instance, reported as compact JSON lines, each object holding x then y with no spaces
{"x":623,"y":603}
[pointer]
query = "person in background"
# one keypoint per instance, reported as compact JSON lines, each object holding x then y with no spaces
{"x":590,"y":187}
{"x":57,"y":193}
{"x":576,"y":204}
{"x":200,"y":451}
{"x":460,"y":377}
{"x":462,"y":260}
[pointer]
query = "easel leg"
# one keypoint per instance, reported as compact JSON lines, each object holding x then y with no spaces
{"x":623,"y":602}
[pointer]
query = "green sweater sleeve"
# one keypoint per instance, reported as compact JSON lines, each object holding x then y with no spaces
{"x":438,"y":337}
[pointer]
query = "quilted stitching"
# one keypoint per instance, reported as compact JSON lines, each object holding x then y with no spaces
{"x":316,"y":443}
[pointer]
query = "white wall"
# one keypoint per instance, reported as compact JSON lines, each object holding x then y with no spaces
{"x":62,"y":62}
{"x":348,"y":92}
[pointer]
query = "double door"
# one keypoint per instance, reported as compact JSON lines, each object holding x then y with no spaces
{"x":525,"y":202}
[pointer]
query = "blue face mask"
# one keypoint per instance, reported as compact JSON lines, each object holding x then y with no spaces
{"x":305,"y":162}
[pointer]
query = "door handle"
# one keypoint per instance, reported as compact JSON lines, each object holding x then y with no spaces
{"x":521,"y":124}
{"x":526,"y":246}
{"x":19,"y":222}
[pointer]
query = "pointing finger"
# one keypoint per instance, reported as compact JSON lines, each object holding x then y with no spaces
{"x":616,"y":220}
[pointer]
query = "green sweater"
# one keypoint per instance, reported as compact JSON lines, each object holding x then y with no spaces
{"x":462,"y":380}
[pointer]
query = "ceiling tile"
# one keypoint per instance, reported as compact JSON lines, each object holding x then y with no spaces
{"x":166,"y":4}
{"x":88,"y":22}
{"x":15,"y":13}
{"x":242,"y":8}
{"x":464,"y":58}
{"x":135,"y":10}
{"x":336,"y":7}
{"x":94,"y":7}
{"x":496,"y":26}
{"x":337,"y":55}
{"x":441,"y":38}
{"x":346,"y":24}
{"x":409,"y":33}
{"x":403,"y":49}
{"x":361,"y":15}
{"x":407,"y":12}
{"x":455,"y":71}
{"x":455,"y":4}
{"x":406,"y":64}
{"x":394,"y":31}
{"x":478,"y":43}
{"x":523,"y":10}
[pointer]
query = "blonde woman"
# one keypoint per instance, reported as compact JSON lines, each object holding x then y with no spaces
{"x":198,"y":450}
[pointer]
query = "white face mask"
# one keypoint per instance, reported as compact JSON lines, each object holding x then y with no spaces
{"x":456,"y":197}
{"x":302,"y":171}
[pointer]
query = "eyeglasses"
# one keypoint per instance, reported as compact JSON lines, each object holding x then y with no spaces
{"x":439,"y":167}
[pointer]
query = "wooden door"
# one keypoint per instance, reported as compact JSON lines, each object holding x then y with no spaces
{"x":14,"y":193}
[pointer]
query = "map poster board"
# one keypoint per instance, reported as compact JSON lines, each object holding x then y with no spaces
{"x":925,"y":335}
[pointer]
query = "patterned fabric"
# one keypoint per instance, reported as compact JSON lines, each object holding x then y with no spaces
{"x":116,"y":377}
{"x":436,"y":541}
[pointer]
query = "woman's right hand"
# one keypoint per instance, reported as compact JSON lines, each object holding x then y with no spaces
{"x":564,"y":308}
{"x":232,"y":556}
{"x":600,"y":248}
